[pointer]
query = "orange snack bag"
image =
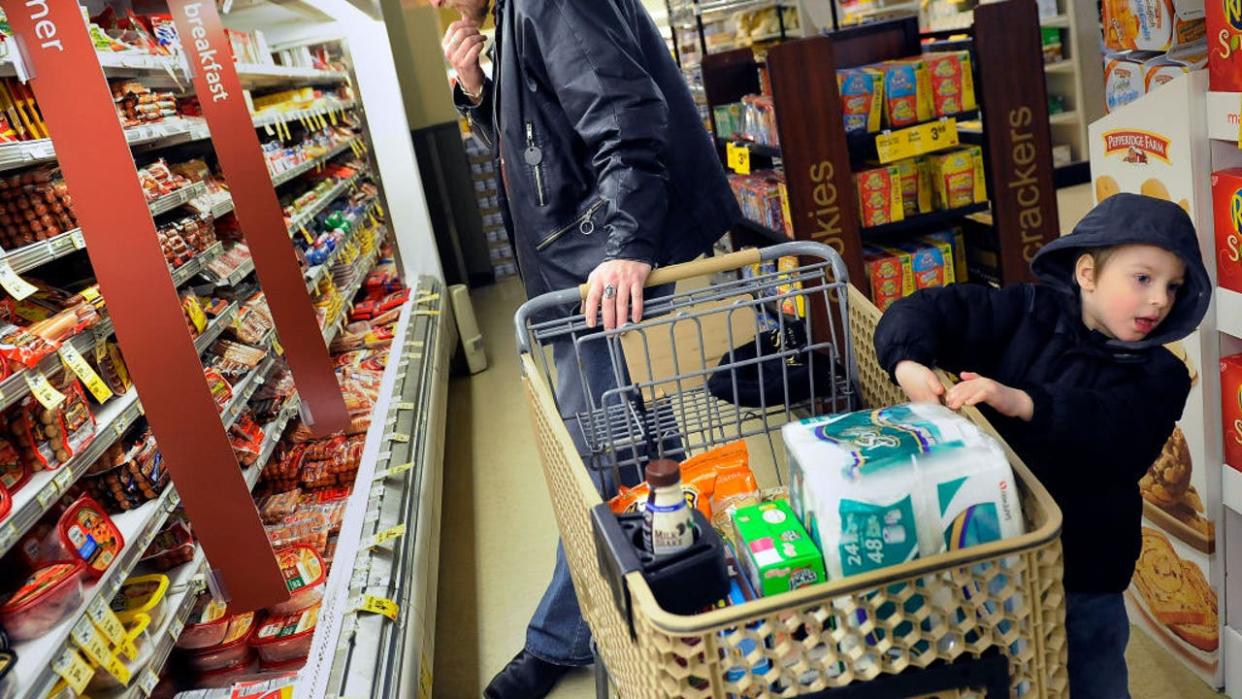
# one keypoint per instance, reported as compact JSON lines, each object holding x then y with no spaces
{"x":706,"y":479}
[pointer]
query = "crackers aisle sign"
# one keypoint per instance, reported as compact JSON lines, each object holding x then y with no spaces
{"x":1143,"y":148}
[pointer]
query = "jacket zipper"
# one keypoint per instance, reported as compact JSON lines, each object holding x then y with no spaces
{"x":556,"y":234}
{"x":538,"y":167}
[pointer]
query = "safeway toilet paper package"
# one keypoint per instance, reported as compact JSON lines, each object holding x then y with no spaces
{"x":880,"y":488}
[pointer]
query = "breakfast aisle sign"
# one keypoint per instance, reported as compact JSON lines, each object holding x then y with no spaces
{"x":1142,"y":149}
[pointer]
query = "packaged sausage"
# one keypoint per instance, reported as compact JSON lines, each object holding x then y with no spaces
{"x":6,"y":502}
{"x":42,"y":601}
{"x":273,"y":509}
{"x":308,"y":527}
{"x":234,"y":647}
{"x":173,"y":546}
{"x":206,"y":626}
{"x":285,"y":638}
{"x":14,"y":471}
{"x":305,"y":577}
{"x":85,"y":532}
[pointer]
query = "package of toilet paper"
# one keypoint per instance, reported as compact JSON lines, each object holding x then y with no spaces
{"x":880,"y":488}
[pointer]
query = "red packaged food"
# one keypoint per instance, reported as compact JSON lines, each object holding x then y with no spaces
{"x":286,"y":637}
{"x":308,"y":528}
{"x":43,"y":601}
{"x":1227,"y":204}
{"x":304,"y":576}
{"x":14,"y":471}
{"x":241,"y":671}
{"x":232,"y":649}
{"x":85,"y":532}
{"x":6,"y":502}
{"x":1224,"y":30}
{"x":171,"y":547}
{"x":1231,"y":408}
{"x":206,"y":626}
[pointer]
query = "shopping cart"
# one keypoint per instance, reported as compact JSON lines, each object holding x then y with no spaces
{"x":736,"y":358}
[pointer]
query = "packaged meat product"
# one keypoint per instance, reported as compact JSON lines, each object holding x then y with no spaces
{"x":246,"y":668}
{"x":275,"y":508}
{"x":307,"y":528}
{"x":286,"y":637}
{"x":14,"y":472}
{"x":221,"y":390}
{"x":43,"y":600}
{"x":274,"y":670}
{"x":233,"y":648}
{"x":86,"y":532}
{"x":172,"y":547}
{"x":304,"y":576}
{"x":8,"y":681}
{"x":141,"y":595}
{"x":206,"y":626}
{"x":6,"y":502}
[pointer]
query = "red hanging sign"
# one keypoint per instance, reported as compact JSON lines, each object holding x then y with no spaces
{"x":121,"y":240}
{"x":258,"y":210}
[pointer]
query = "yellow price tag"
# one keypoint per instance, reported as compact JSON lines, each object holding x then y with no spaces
{"x":916,"y":140}
{"x":386,"y":536}
{"x":278,"y":348}
{"x":372,"y":219}
{"x":323,"y":123}
{"x":73,"y":359}
{"x":395,"y":470}
{"x":310,"y":239}
{"x":12,"y":282}
{"x":92,"y":644}
{"x":379,"y":605}
{"x":399,"y":437}
{"x":197,"y":317}
{"x":379,"y":208}
{"x":74,"y":670}
{"x":106,"y":621}
{"x":42,"y":389}
{"x":424,"y":677}
{"x":738,"y":157}
{"x":332,"y":116}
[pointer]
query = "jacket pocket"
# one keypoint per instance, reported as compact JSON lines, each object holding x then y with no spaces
{"x":534,"y":159}
{"x":585,"y":224}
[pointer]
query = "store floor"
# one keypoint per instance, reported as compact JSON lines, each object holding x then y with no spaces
{"x":499,"y":534}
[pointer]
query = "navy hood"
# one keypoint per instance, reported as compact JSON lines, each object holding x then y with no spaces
{"x":1134,"y":219}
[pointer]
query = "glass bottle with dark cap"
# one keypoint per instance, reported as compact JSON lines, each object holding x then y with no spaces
{"x":668,"y":523}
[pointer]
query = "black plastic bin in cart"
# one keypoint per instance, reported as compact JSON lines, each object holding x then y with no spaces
{"x":982,"y":621}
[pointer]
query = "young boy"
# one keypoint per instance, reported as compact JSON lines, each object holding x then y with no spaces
{"x":1073,"y":375}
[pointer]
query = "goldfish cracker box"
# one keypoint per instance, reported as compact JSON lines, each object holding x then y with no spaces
{"x":915,"y":186}
{"x":862,"y":99}
{"x":957,"y":178}
{"x":879,"y":195}
{"x":1227,"y":205}
{"x":1224,"y":34}
{"x":1124,"y":79}
{"x":956,"y":243}
{"x":1152,"y":25}
{"x":1231,"y":408}
{"x":1174,"y":64}
{"x":931,"y":265}
{"x":952,"y":83}
{"x":907,"y":92}
{"x":891,"y":274}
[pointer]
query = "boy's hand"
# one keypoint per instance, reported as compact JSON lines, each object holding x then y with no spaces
{"x":920,"y":383}
{"x":975,"y":389}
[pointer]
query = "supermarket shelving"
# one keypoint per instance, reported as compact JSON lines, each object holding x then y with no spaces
{"x":304,"y":217}
{"x":244,"y":390}
{"x":266,"y":75}
{"x":1231,"y":480}
{"x":215,"y":328}
{"x":34,"y":499}
{"x":197,"y":263}
{"x":181,"y":197}
{"x":184,"y":584}
{"x":272,"y":117}
{"x":332,"y":329}
{"x":296,"y":172}
{"x":1229,"y":312}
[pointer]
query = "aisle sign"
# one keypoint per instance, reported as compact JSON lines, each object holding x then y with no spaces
{"x":259,"y":212}
{"x":917,"y":140}
{"x":738,"y":157}
{"x":143,"y":303}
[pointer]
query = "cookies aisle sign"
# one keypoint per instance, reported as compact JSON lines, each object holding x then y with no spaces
{"x":1144,"y":148}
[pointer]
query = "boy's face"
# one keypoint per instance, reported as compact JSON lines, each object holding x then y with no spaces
{"x":1133,"y":293}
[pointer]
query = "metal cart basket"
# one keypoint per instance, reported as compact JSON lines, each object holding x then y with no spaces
{"x":725,"y":358}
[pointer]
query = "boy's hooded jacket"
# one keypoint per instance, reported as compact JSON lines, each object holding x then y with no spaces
{"x":1103,"y":408}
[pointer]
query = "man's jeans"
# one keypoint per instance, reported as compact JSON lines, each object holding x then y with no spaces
{"x":1098,"y":631}
{"x":557,"y":632}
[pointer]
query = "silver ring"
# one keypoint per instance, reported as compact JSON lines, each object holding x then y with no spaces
{"x":610,"y":292}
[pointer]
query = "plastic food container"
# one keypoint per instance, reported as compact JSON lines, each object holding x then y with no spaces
{"x":8,"y":681}
{"x":281,"y":639}
{"x":171,"y":547}
{"x":6,"y":501}
{"x":304,"y":575}
{"x":144,"y":594}
{"x":86,"y":532}
{"x":247,"y":668}
{"x":233,"y":649}
{"x":271,"y":670}
{"x":42,"y":601}
{"x":206,"y":626}
{"x":139,"y":632}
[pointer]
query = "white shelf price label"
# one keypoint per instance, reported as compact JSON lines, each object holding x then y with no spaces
{"x":42,"y":389}
{"x":74,"y":670}
{"x":148,"y":681}
{"x":394,"y":471}
{"x":73,"y":359}
{"x":79,"y":241}
{"x":399,"y":437}
{"x":385,"y":536}
{"x":12,"y":282}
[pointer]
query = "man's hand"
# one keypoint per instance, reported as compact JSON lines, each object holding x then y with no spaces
{"x":626,"y":279}
{"x":920,"y":383}
{"x":462,"y":45}
{"x":975,"y":389}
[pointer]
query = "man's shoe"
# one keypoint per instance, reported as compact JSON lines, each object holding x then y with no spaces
{"x":525,"y":677}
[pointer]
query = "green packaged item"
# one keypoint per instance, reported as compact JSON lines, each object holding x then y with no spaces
{"x":776,"y":553}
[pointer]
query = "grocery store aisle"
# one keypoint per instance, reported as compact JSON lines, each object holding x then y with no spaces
{"x":499,"y":532}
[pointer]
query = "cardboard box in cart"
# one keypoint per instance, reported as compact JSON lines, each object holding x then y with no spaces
{"x":1150,"y":147}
